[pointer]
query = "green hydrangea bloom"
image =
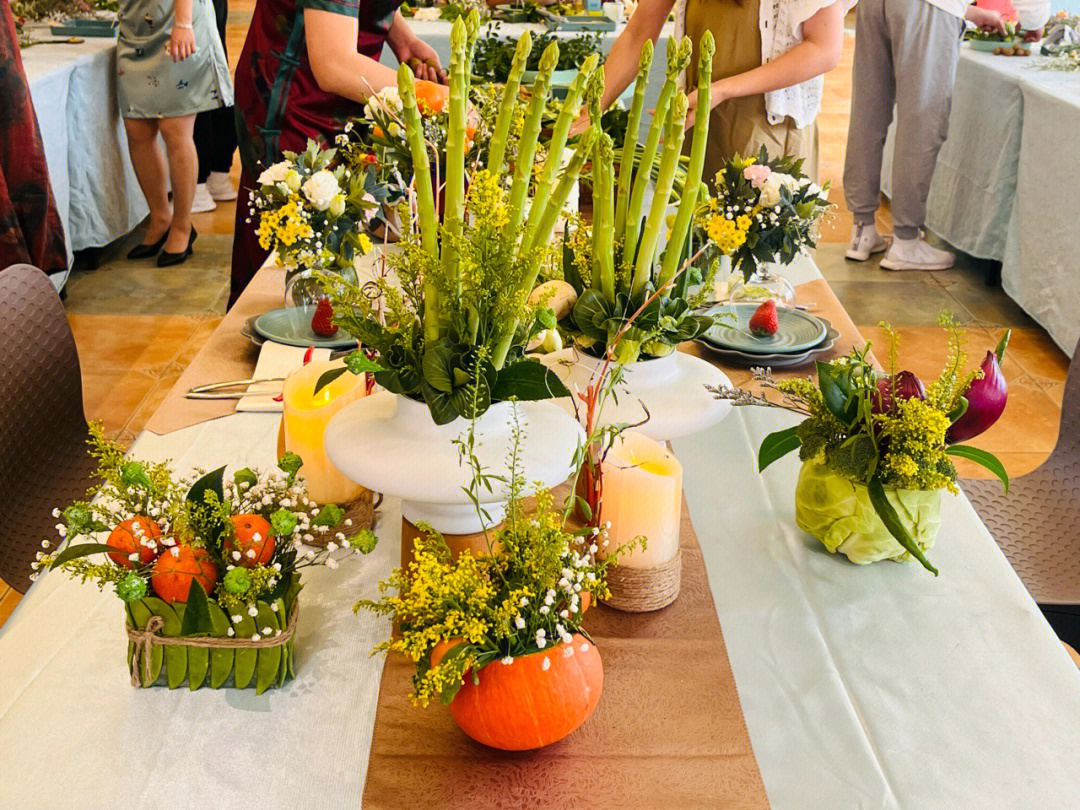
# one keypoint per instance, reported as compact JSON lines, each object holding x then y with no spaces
{"x":237,"y":581}
{"x":131,"y":588}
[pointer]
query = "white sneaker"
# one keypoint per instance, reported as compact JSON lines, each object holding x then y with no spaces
{"x":916,"y":254}
{"x":865,"y":240}
{"x":202,"y":202}
{"x":220,"y":187}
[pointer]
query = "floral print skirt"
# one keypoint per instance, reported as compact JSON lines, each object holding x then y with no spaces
{"x":151,"y":84}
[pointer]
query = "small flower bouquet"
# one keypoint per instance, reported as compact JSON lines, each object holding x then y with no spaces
{"x":311,"y":209}
{"x":877,"y":447}
{"x":763,"y":211}
{"x":208,"y":570}
{"x":498,"y":636}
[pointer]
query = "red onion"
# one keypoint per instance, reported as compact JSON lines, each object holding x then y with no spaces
{"x":906,"y":386}
{"x":986,"y":400}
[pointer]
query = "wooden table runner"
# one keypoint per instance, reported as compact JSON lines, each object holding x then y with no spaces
{"x":668,"y":732}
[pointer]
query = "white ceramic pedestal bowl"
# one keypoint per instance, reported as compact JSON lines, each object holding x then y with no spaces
{"x":672,"y":388}
{"x":389,"y":443}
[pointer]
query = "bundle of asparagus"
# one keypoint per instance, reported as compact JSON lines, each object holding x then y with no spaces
{"x":453,"y":326}
{"x":622,"y":282}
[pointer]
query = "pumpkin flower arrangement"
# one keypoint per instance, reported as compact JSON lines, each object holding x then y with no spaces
{"x":208,"y":560}
{"x":311,"y":209}
{"x":450,"y":322}
{"x":762,"y":211}
{"x":877,"y":447}
{"x":616,"y":265}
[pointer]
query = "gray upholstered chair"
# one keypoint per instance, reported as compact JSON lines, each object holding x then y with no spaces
{"x":43,"y":432}
{"x":1037,"y":524}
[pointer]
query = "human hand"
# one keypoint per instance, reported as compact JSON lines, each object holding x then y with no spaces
{"x":579,"y":126}
{"x":986,"y":20}
{"x":181,"y":42}
{"x":422,"y":58}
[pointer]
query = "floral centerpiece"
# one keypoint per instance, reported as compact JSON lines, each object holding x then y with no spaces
{"x":209,"y":569}
{"x":877,"y":448}
{"x":311,"y":210}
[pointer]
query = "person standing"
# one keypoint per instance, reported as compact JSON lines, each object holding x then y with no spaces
{"x":906,"y":52}
{"x":768,"y":71}
{"x":306,"y":69}
{"x":30,"y":227}
{"x":171,"y":66}
{"x":215,"y":139}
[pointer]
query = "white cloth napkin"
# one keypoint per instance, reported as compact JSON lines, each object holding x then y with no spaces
{"x":275,"y":360}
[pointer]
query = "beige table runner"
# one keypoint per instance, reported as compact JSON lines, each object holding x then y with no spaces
{"x":668,"y":731}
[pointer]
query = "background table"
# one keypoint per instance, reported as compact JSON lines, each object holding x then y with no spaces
{"x":73,"y":88}
{"x":862,"y":687}
{"x":437,"y":35}
{"x":1008,"y":114}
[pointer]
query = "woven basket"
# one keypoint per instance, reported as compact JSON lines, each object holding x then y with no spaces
{"x":640,"y":590}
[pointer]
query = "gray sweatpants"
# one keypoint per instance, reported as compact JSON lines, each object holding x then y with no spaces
{"x":905,"y":54}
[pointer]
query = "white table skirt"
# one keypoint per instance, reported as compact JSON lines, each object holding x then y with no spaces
{"x":862,"y":687}
{"x":73,"y":88}
{"x":1007,"y":182}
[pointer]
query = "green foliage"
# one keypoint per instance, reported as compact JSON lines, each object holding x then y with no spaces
{"x":495,"y":53}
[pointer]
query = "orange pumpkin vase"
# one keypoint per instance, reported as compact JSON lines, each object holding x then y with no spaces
{"x":252,"y":538}
{"x":127,"y":538}
{"x":521,"y":705}
{"x":173,"y":573}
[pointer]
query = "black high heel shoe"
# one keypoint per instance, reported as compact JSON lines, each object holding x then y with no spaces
{"x":148,"y":251}
{"x":166,"y":259}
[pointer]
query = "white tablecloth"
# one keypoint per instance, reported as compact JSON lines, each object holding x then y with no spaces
{"x":437,"y":35}
{"x":863,"y":687}
{"x":73,"y":88}
{"x":1008,"y":114}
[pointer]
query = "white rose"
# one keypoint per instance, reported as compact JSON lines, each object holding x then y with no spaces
{"x":275,"y":174}
{"x":321,"y":188}
{"x":770,"y":189}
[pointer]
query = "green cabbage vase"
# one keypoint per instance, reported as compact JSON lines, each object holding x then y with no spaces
{"x":838,"y":512}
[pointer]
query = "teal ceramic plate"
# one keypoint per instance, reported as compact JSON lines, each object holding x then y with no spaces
{"x":798,"y":331}
{"x":292,"y":326}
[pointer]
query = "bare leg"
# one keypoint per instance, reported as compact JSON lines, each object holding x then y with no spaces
{"x":183,"y":166}
{"x":150,"y":169}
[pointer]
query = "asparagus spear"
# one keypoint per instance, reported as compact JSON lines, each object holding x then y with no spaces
{"x":530,"y":133}
{"x":454,"y":212}
{"x":603,"y":214}
{"x":425,"y":197}
{"x":546,"y":181}
{"x":543,"y":234}
{"x":497,"y":146}
{"x":685,"y":216}
{"x":654,"y":224}
{"x":633,"y":123}
{"x":677,"y":58}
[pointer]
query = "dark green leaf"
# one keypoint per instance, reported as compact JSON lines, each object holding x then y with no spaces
{"x":81,"y":550}
{"x":959,"y":410}
{"x":213,"y":481}
{"x":983,"y":458}
{"x":197,"y":613}
{"x":439,"y":368}
{"x":837,"y":394}
{"x":590,"y":311}
{"x":777,"y":445}
{"x":880,"y":501}
{"x":528,"y":380}
{"x":438,"y":402}
{"x":328,"y":377}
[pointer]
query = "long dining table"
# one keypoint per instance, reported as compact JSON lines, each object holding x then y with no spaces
{"x":860,"y":686}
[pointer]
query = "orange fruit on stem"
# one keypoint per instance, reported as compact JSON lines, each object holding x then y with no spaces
{"x":252,"y":538}
{"x":128,"y":538}
{"x":177,"y":567}
{"x":430,"y":97}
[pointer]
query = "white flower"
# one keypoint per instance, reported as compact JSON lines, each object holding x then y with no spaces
{"x":567,"y":651}
{"x":237,"y":619}
{"x":275,"y":174}
{"x":507,"y":661}
{"x":230,"y":632}
{"x":386,"y":99}
{"x":255,"y":637}
{"x":770,"y":189}
{"x":584,"y":647}
{"x":519,"y":623}
{"x":267,"y":631}
{"x":331,"y":563}
{"x":321,"y":188}
{"x":547,"y":664}
{"x":253,"y":611}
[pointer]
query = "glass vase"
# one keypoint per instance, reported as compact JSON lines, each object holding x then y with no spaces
{"x":762,"y":285}
{"x":302,"y":289}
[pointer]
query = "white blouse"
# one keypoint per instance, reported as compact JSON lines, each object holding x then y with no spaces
{"x":780,"y":23}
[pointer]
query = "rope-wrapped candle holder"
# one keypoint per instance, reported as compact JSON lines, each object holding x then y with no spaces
{"x":639,"y":590}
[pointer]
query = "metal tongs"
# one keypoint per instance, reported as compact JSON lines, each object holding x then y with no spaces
{"x":221,"y":390}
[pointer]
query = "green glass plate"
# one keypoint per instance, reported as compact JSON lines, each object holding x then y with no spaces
{"x":292,"y":326}
{"x":797,"y":331}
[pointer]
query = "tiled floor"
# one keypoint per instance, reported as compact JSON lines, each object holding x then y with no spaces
{"x":137,"y":327}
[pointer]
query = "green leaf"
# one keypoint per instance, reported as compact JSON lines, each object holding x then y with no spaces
{"x":880,"y":501}
{"x":140,"y":616}
{"x":999,"y":352}
{"x":290,"y":464}
{"x":175,"y":655}
{"x":439,"y":368}
{"x":439,"y":404}
{"x":983,"y":458}
{"x":357,"y":362}
{"x":528,"y":380}
{"x":546,"y":317}
{"x":836,"y":393}
{"x":81,"y":550}
{"x":197,"y":613}
{"x":777,"y":445}
{"x":269,"y":660}
{"x":246,"y":659}
{"x":328,"y":377}
{"x":221,"y":658}
{"x":959,"y":410}
{"x":213,"y":481}
{"x":590,"y":311}
{"x":245,"y":476}
{"x":133,"y":474}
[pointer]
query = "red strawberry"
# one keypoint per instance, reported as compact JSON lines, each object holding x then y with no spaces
{"x":321,"y":322}
{"x":763,"y":322}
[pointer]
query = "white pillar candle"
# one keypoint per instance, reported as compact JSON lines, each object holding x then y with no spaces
{"x":642,"y":496}
{"x":305,"y":417}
